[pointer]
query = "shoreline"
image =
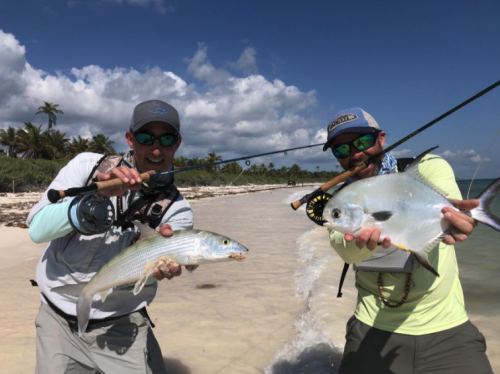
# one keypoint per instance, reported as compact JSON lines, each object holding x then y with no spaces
{"x":14,"y":207}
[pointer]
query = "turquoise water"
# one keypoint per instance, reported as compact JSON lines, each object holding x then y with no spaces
{"x":479,"y":260}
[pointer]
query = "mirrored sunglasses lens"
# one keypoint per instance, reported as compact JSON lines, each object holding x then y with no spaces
{"x":168,"y":140}
{"x":365,"y":142}
{"x":143,"y":138}
{"x":341,"y":151}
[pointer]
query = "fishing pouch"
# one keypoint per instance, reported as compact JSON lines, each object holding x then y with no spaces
{"x":387,"y":260}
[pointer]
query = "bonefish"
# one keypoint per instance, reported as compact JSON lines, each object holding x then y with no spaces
{"x":407,"y":209}
{"x":137,"y":262}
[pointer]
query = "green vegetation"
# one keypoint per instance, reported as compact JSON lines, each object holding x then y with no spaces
{"x":33,"y":158}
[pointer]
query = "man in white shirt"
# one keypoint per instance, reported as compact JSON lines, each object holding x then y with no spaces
{"x":119,"y":338}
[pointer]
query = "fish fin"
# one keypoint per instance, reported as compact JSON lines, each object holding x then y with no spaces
{"x":422,"y":254}
{"x":484,"y":212}
{"x":145,"y":230}
{"x":139,"y":285}
{"x":103,"y":295}
{"x":83,"y":307}
{"x":424,"y":261}
{"x":383,"y":215}
{"x":69,"y":289}
{"x":413,"y":171}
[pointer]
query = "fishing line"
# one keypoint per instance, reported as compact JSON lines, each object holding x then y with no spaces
{"x":230,"y":184}
{"x":482,"y":160}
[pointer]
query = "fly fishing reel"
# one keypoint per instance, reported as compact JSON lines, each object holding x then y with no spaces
{"x":91,"y":214}
{"x":315,"y":207}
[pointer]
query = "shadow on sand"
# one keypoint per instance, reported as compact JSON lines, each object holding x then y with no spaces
{"x":175,"y":366}
{"x":318,"y":359}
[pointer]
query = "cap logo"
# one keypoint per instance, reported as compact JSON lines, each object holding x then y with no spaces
{"x":157,"y":109}
{"x":340,"y":120}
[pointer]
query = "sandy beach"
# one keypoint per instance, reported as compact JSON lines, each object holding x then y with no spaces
{"x":275,"y":312}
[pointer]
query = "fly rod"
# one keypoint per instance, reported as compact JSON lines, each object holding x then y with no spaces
{"x":356,"y":169}
{"x":56,"y":195}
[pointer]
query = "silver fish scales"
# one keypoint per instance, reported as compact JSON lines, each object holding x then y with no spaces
{"x":407,"y":209}
{"x":137,"y":262}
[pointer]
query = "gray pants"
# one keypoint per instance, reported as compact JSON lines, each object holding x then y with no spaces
{"x":459,"y":350}
{"x":125,"y":346}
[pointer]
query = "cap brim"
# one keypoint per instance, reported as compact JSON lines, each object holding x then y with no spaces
{"x":359,"y":130}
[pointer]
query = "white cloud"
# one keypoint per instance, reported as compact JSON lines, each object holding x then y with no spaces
{"x":247,"y":62}
{"x":401,"y":153}
{"x":466,"y":156}
{"x":224,"y":113}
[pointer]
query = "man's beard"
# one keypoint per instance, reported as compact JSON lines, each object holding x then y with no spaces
{"x":377,"y":164}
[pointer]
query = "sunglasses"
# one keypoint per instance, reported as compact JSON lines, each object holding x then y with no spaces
{"x":361,"y":143}
{"x":166,"y":140}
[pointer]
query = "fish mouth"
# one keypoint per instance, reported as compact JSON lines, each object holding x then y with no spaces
{"x":236,"y":256}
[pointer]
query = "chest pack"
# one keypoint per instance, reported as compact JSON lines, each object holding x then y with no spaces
{"x":150,"y":208}
{"x":386,"y":260}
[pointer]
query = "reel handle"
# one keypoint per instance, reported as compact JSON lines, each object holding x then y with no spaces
{"x":55,"y":195}
{"x":331,"y":183}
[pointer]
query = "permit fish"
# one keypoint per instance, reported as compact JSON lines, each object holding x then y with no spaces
{"x":137,"y":262}
{"x":406,"y":207}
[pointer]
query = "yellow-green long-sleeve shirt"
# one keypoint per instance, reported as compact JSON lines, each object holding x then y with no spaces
{"x":434,"y":303}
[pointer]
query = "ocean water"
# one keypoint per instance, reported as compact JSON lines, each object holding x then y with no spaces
{"x":318,"y":346}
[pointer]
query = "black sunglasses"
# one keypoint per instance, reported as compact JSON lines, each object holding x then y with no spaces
{"x":361,"y":143}
{"x":166,"y":140}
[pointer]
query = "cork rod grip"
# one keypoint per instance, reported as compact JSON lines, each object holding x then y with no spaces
{"x":116,"y":183}
{"x":331,"y":183}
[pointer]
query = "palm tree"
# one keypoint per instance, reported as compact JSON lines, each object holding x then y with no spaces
{"x":295,"y":170}
{"x":195,"y":161}
{"x":31,"y":141}
{"x":50,"y":110}
{"x":180,"y":162}
{"x":8,"y":139}
{"x":78,"y":145}
{"x":232,"y":168}
{"x":57,"y":143}
{"x":101,"y":144}
{"x":211,"y":158}
{"x":271,"y":168}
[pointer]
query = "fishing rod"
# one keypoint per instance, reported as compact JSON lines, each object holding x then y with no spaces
{"x":55,"y":195}
{"x":318,"y":197}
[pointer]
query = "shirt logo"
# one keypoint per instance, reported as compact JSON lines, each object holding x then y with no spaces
{"x":157,"y":109}
{"x":340,"y":120}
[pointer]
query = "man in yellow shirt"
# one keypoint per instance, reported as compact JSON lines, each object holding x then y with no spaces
{"x":427,"y":331}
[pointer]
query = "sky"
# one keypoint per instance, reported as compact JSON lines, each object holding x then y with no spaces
{"x":250,"y":77}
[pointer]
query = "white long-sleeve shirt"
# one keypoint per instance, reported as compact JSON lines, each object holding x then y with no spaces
{"x":72,"y":258}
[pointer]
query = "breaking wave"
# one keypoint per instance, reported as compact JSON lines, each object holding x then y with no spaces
{"x":319,"y":344}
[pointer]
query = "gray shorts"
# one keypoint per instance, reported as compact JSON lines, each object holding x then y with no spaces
{"x":459,"y":350}
{"x":125,"y":346}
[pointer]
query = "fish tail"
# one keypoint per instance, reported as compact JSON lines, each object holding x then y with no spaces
{"x":83,"y":307}
{"x":484,"y":212}
{"x":424,"y":261}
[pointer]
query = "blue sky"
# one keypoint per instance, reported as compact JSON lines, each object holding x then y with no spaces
{"x":250,"y":77}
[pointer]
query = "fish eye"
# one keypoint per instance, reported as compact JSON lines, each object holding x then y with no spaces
{"x":336,"y":213}
{"x":225,"y":241}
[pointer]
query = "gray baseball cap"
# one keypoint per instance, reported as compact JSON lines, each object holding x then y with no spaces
{"x":154,"y":111}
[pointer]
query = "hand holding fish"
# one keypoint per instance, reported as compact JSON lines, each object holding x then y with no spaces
{"x":461,"y":224}
{"x":369,"y":238}
{"x":172,"y":269}
{"x":126,"y":175}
